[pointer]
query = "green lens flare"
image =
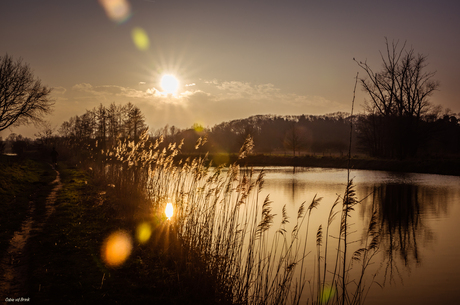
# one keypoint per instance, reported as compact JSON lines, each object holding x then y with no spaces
{"x":327,"y":294}
{"x":143,"y":232}
{"x":140,"y":39}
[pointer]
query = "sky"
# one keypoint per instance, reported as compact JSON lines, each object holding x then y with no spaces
{"x":232,"y":59}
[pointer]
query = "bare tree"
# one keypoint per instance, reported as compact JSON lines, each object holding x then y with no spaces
{"x":115,"y":122}
{"x":294,"y":138}
{"x":102,"y":124}
{"x":398,"y":99}
{"x":45,"y":133}
{"x":23,"y":100}
{"x":402,"y":87}
{"x":135,"y":123}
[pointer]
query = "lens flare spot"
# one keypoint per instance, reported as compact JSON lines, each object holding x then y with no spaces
{"x":222,"y":158}
{"x":116,"y":248}
{"x":198,"y":127}
{"x":169,"y":210}
{"x":140,"y":39}
{"x":327,"y":294}
{"x":117,"y":10}
{"x":143,"y":232}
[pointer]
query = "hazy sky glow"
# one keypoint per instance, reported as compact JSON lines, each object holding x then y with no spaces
{"x":232,"y":59}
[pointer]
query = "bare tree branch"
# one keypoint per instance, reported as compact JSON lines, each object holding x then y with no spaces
{"x":399,"y":97}
{"x":402,"y":88}
{"x":23,"y":100}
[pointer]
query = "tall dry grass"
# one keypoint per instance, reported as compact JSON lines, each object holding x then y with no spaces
{"x":225,"y":229}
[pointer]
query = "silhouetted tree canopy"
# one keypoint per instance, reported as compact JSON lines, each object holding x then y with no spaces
{"x":104,"y":127}
{"x":398,"y":100}
{"x":23,"y":99}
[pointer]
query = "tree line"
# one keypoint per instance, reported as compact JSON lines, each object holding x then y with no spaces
{"x":105,"y":124}
{"x":105,"y":127}
{"x":399,"y":122}
{"x":293,"y":135}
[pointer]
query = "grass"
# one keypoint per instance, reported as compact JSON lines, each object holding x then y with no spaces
{"x":21,"y":181}
{"x":220,"y":246}
{"x":66,"y":265}
{"x":220,"y":233}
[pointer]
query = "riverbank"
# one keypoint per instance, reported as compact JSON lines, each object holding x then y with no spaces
{"x":67,"y":256}
{"x":429,"y":166}
{"x":24,"y":183}
{"x":67,"y":259}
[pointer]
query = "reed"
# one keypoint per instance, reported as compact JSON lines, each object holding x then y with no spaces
{"x":222,"y":232}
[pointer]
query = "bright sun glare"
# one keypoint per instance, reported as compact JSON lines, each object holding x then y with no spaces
{"x":169,"y":210}
{"x":170,"y":84}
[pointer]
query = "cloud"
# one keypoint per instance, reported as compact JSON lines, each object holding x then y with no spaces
{"x":268,"y":98}
{"x":82,"y":87}
{"x":208,"y":101}
{"x":109,"y":90}
{"x":235,"y":89}
{"x":214,"y":81}
{"x":154,"y":92}
{"x":59,"y":90}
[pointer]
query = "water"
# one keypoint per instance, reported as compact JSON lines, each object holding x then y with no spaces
{"x":419,"y":257}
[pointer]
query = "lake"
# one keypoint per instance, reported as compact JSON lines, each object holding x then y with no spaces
{"x":418,"y":261}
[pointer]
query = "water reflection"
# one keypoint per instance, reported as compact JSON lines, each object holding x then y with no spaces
{"x":402,"y":209}
{"x":416,"y":218}
{"x":400,"y":221}
{"x":293,"y":185}
{"x":398,"y":208}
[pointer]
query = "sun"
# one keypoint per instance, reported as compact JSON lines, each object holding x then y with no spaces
{"x":170,"y":84}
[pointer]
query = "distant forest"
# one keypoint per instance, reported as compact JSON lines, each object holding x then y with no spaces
{"x":434,"y":134}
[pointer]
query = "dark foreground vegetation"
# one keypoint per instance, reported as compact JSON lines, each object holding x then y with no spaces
{"x":64,"y":257}
{"x":67,"y":266}
{"x":216,"y":249}
{"x":21,"y":181}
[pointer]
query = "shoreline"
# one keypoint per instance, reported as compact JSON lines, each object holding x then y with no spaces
{"x":441,"y":166}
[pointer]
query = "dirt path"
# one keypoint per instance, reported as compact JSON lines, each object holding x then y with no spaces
{"x":14,"y":265}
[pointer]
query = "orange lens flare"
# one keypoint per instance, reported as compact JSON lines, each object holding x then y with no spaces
{"x":117,"y":10}
{"x":116,"y":248}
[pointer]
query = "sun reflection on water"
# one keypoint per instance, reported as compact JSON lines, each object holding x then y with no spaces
{"x":169,"y":210}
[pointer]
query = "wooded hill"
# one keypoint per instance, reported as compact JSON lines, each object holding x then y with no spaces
{"x":431,"y":135}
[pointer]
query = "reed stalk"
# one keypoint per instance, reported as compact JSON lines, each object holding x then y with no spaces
{"x":223,"y":227}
